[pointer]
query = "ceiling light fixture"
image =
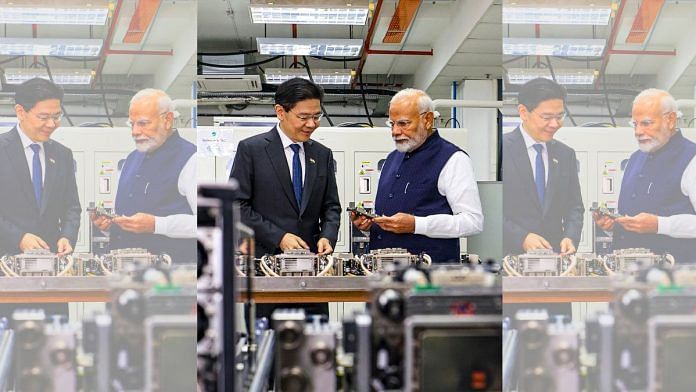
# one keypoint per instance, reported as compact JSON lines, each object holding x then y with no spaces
{"x":50,"y":47}
{"x":48,"y":15}
{"x":320,"y":76}
{"x":553,"y":47}
{"x":331,"y":12}
{"x":563,"y":76}
{"x":309,"y":46}
{"x":60,"y":76}
{"x":557,"y":15}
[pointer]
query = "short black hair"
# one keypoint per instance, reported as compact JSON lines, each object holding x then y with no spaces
{"x":35,"y":90}
{"x":539,"y":90}
{"x":292,"y":91}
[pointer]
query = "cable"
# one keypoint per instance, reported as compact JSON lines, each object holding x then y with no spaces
{"x":309,"y":73}
{"x":103,"y":267}
{"x":336,"y":60}
{"x":362,"y":92}
{"x":106,"y":108}
{"x":509,"y":269}
{"x":455,"y":123}
{"x":572,"y":266}
{"x":578,"y":59}
{"x":553,"y":76}
{"x":250,"y":51}
{"x":68,"y":267}
{"x":10,"y":59}
{"x":240,"y":65}
{"x":362,"y":266}
{"x":513,"y":59}
{"x":606,"y":98}
{"x":328,"y":266}
{"x":76,"y":59}
{"x":50,"y":77}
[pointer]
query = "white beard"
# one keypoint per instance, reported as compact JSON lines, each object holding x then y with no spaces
{"x":407,"y":145}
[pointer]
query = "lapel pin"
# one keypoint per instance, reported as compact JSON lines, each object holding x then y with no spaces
{"x":555,"y":160}
{"x":51,"y":160}
{"x":311,"y":160}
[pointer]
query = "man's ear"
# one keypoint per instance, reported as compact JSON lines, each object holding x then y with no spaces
{"x":430,"y":120}
{"x":523,"y":112}
{"x":280,"y":112}
{"x":19,"y":111}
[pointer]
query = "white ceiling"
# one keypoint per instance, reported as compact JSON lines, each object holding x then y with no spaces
{"x":469,"y":48}
{"x":173,"y":28}
{"x":674,"y":29}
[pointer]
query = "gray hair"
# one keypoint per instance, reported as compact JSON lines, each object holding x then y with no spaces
{"x":424,"y":102}
{"x":668,"y":103}
{"x":164,"y":102}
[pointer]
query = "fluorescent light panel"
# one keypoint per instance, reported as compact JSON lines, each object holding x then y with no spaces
{"x":309,"y":46}
{"x":553,"y":47}
{"x":49,"y":47}
{"x":563,"y":76}
{"x":308,"y":15}
{"x":557,"y":15}
{"x":48,"y":15}
{"x":320,"y":76}
{"x":60,"y":76}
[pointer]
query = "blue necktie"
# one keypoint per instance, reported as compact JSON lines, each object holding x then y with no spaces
{"x":540,"y":179}
{"x":37,"y":177}
{"x":296,"y":173}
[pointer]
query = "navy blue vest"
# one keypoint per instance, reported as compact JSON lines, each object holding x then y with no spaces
{"x":409,"y":184}
{"x":149,"y":184}
{"x":652,"y":184}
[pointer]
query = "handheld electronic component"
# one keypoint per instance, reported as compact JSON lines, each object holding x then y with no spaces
{"x":360,"y":211}
{"x":604,"y":211}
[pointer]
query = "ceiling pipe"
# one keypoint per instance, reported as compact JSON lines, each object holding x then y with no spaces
{"x":466,"y":103}
{"x":610,"y":44}
{"x":107,"y":41}
{"x":366,"y":50}
{"x":401,"y":52}
{"x":672,"y":52}
{"x":169,"y":52}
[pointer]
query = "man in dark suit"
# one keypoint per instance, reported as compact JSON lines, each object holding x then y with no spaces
{"x":40,"y":207}
{"x":287,"y":185}
{"x":542,"y":204}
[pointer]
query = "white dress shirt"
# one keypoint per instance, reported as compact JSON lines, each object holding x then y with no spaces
{"x":682,"y":225}
{"x":289,"y":153}
{"x":29,"y":154}
{"x":182,"y":225}
{"x":529,"y":143}
{"x":457,"y":183}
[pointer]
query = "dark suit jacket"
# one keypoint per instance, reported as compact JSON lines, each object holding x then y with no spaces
{"x":267,"y":201}
{"x":59,"y":213}
{"x":562,"y":213}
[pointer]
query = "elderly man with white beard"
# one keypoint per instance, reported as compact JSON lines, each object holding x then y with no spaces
{"x":658,"y":190}
{"x":427,"y":196}
{"x":156,"y":195}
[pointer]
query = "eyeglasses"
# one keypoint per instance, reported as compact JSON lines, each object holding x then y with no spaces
{"x":548,"y":117}
{"x":141,"y":123}
{"x":45,"y":117}
{"x":401,"y":124}
{"x":307,"y":117}
{"x":644,"y":123}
